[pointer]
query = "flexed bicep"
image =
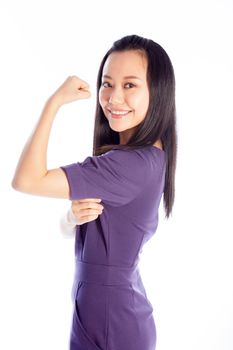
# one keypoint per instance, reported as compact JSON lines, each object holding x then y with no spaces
{"x":53,"y":184}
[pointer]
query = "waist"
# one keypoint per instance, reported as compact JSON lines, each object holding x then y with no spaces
{"x":105,"y":274}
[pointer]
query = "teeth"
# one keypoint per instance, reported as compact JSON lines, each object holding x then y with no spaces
{"x":119,"y":112}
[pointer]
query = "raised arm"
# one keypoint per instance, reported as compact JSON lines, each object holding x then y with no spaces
{"x":31,"y":174}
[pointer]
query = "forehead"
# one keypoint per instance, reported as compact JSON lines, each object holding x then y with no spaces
{"x":132,"y":62}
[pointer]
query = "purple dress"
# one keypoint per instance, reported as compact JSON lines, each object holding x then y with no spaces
{"x":111,"y":308}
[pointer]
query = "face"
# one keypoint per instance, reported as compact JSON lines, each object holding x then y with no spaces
{"x":124,"y":92}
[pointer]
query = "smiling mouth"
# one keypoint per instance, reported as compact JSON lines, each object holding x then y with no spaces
{"x":118,"y":114}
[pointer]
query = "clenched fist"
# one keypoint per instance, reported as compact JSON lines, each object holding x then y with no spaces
{"x":72,"y":89}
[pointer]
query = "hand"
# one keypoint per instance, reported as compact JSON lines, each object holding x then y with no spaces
{"x":86,"y":210}
{"x":71,"y":90}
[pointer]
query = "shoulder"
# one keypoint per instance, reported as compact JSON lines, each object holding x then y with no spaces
{"x":138,"y":159}
{"x":130,"y":160}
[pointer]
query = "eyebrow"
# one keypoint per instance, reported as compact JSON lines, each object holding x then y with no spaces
{"x":128,"y":77}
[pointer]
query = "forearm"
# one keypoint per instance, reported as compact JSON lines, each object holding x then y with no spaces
{"x":32,"y":164}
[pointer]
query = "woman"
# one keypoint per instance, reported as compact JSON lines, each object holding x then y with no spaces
{"x":133,"y":165}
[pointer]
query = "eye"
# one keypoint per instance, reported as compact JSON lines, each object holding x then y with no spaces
{"x":130,"y":85}
{"x":105,"y":84}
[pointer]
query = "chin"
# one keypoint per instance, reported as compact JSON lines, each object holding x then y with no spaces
{"x":117,"y":129}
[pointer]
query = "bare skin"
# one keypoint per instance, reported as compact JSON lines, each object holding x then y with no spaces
{"x":158,"y":144}
{"x":31,"y":175}
{"x":86,"y":210}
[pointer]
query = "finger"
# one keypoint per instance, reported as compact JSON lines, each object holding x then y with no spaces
{"x":84,"y":94}
{"x":80,"y":213}
{"x":94,"y":211}
{"x":84,"y":84}
{"x":82,"y":205}
{"x":90,"y":199}
{"x":91,"y":205}
{"x":84,"y":88}
{"x":78,"y":207}
{"x":88,"y":219}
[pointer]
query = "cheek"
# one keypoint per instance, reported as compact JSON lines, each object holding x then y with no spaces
{"x":103,"y":98}
{"x":100,"y":97}
{"x":141,"y":102}
{"x":146,"y":99}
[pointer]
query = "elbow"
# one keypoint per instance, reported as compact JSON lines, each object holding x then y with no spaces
{"x":19,"y":185}
{"x":16,"y":185}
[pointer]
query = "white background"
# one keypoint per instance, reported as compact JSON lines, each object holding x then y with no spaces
{"x":187,"y":265}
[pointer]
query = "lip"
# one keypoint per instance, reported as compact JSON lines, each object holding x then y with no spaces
{"x":118,"y":116}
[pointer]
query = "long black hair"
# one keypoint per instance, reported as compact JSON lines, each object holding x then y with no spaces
{"x":160,"y":120}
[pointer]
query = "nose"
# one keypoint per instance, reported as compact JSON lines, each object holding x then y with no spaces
{"x":116,"y":97}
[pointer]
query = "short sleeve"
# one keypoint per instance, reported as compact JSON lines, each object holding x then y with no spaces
{"x":116,"y":177}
